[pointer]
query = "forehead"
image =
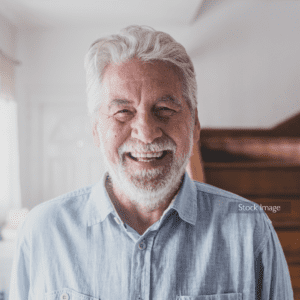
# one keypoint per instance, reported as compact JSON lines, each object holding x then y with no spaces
{"x":135,"y":75}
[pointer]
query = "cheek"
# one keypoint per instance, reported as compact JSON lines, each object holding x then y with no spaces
{"x":106,"y":129}
{"x":181,"y":131}
{"x":113,"y":135}
{"x":182,"y":136}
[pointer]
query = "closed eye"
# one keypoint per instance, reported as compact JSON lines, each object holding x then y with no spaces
{"x":164,"y":111}
{"x":123,"y":115}
{"x":123,"y":111}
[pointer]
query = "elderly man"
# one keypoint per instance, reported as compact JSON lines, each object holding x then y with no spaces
{"x":146,"y":230}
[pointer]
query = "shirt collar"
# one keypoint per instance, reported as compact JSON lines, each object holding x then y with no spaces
{"x":185,"y":202}
{"x":99,"y":206}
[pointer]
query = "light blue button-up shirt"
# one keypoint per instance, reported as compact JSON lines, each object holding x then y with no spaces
{"x":203,"y":248}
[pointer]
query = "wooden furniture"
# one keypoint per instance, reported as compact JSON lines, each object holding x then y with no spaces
{"x":262,"y":166}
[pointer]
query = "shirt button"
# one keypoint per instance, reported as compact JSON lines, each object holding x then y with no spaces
{"x":64,"y":296}
{"x":142,"y":245}
{"x":117,"y":221}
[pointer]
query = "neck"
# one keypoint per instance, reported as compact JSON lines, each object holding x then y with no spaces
{"x":137,"y":216}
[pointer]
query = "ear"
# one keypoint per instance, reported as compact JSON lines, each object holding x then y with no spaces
{"x":196,"y":134}
{"x":96,"y":134}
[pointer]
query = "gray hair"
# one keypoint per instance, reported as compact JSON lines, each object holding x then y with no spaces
{"x":140,"y":42}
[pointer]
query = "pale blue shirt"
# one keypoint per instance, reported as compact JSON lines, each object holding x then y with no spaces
{"x":203,"y":248}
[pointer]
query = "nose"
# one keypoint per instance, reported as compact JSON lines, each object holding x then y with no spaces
{"x":145,"y":128}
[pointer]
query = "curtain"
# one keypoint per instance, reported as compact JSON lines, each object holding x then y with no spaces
{"x":10,"y":191}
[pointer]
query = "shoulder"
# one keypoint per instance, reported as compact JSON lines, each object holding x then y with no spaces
{"x":216,"y":192}
{"x":234,"y":214}
{"x":69,"y":202}
{"x":67,"y":208}
{"x":229,"y":201}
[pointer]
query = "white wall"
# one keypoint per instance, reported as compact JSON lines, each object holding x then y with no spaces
{"x":8,"y":34}
{"x":247,"y":60}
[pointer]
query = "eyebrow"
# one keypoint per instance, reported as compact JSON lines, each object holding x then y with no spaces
{"x":169,"y":98}
{"x":166,"y":98}
{"x":118,"y":102}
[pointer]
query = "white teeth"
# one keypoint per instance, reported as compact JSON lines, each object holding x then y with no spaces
{"x":147,"y":155}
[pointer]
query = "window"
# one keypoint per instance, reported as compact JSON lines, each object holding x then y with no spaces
{"x":10,"y":197}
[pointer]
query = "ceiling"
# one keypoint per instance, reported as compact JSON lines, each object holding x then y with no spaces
{"x":55,"y":13}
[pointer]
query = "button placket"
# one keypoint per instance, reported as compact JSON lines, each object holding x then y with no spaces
{"x":142,"y":245}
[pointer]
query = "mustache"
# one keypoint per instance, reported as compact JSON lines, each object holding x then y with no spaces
{"x":159,"y":144}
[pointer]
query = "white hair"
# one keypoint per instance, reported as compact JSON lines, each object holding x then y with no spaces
{"x":140,"y":42}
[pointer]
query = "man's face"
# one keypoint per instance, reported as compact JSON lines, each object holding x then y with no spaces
{"x":145,"y":128}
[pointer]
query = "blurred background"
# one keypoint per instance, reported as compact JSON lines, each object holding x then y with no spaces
{"x":246,"y":56}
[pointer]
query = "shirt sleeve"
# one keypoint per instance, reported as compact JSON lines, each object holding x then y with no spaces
{"x":19,"y":283}
{"x":271,"y":270}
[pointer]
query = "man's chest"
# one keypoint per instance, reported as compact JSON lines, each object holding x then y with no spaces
{"x":106,"y":263}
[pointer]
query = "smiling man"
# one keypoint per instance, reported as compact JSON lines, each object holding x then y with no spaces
{"x":146,"y":230}
{"x":146,"y":132}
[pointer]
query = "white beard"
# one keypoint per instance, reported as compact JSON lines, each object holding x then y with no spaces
{"x":148,"y":188}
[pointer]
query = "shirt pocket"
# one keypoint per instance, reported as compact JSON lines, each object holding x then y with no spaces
{"x":67,"y":294}
{"x":232,"y":296}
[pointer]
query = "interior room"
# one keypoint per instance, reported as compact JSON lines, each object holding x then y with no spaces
{"x":246,"y":58}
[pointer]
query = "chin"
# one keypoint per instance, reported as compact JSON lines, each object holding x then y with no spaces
{"x":149,"y":188}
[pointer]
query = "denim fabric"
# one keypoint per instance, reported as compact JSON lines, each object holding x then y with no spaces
{"x":203,"y":248}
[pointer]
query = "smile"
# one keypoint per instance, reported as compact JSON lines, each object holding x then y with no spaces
{"x":147,"y":156}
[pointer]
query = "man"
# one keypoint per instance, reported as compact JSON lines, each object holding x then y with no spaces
{"x":146,"y":231}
